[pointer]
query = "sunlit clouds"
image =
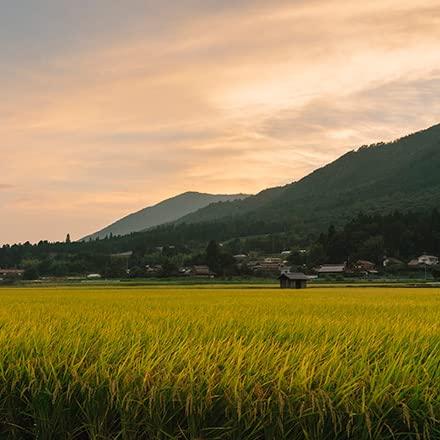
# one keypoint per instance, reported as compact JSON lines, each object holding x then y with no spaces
{"x":107,"y":110}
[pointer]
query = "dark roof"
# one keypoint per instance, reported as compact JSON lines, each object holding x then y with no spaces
{"x":202,"y":270}
{"x":294,"y":276}
{"x":11,"y":271}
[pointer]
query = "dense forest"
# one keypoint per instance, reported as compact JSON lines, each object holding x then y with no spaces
{"x":373,"y":237}
{"x":367,"y":236}
{"x":380,"y":178}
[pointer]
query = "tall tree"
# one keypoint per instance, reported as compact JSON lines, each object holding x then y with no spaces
{"x":213,"y":258}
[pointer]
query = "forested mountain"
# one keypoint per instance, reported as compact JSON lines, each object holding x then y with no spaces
{"x":402,"y":175}
{"x":382,"y":178}
{"x":164,"y":212}
{"x":362,"y":190}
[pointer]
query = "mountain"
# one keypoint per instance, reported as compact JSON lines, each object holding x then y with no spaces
{"x":401,"y":175}
{"x":164,"y":212}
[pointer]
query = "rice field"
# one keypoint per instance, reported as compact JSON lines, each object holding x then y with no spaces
{"x":219,"y":363}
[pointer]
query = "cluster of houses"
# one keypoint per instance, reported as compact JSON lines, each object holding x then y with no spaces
{"x":274,"y":266}
{"x":280,"y":264}
{"x":298,"y":280}
{"x":194,"y":271}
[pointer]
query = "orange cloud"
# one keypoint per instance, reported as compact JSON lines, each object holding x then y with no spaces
{"x":231,"y":98}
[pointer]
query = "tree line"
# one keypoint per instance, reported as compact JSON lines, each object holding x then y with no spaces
{"x":373,"y":237}
{"x":367,"y":236}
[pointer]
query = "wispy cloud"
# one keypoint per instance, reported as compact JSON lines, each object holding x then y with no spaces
{"x":107,"y":110}
{"x":5,"y":186}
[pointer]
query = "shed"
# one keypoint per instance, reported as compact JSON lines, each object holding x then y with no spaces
{"x":293,"y":280}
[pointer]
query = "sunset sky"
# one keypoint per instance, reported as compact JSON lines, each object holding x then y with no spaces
{"x":108,"y":106}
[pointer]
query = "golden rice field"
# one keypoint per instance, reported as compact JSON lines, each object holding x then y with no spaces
{"x":219,"y":363}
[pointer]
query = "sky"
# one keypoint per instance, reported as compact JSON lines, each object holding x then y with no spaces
{"x":107,"y":106}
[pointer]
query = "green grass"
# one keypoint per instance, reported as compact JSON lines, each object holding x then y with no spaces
{"x":219,"y":363}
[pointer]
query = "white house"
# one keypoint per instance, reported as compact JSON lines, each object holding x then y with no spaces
{"x":428,"y":260}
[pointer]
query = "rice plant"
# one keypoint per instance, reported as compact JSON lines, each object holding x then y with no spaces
{"x":219,"y":363}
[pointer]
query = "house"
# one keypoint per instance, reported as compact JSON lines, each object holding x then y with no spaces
{"x":271,"y":264}
{"x":331,"y":269}
{"x":11,"y":273}
{"x":293,"y":280}
{"x":154,"y":269}
{"x":423,"y":261}
{"x":414,"y":264}
{"x":427,"y":260}
{"x":364,"y":266}
{"x":389,"y":262}
{"x":201,"y":271}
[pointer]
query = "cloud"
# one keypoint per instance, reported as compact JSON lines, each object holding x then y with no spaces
{"x":381,"y":112}
{"x":109,"y":109}
{"x":5,"y":186}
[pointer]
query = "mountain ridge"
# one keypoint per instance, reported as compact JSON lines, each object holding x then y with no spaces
{"x":400,"y":174}
{"x":383,"y":177}
{"x":164,"y":212}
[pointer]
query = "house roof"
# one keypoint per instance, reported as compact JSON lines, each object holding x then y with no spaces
{"x":393,"y":260}
{"x":364,"y":262}
{"x":11,"y":271}
{"x":331,"y":268}
{"x":202,"y":270}
{"x":294,"y":276}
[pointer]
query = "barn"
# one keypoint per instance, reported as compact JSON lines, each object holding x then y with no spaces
{"x":290,"y":280}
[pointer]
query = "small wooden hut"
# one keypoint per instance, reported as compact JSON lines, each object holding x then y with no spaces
{"x":290,"y":280}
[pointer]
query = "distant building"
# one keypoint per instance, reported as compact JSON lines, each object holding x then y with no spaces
{"x":427,"y":260}
{"x":11,"y":273}
{"x":293,"y":280}
{"x":331,"y":269}
{"x":201,"y":271}
{"x":271,"y":264}
{"x":389,"y":262}
{"x":364,"y":266}
{"x":155,"y":269}
{"x":423,"y":261}
{"x":414,"y":264}
{"x":94,"y":276}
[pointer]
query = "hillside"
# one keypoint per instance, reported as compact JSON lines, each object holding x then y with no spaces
{"x":164,"y":212}
{"x":402,"y":175}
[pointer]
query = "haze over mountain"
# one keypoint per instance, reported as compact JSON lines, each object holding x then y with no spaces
{"x":400,"y":175}
{"x":164,"y":212}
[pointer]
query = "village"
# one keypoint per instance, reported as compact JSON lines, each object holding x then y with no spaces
{"x":251,"y":265}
